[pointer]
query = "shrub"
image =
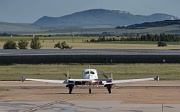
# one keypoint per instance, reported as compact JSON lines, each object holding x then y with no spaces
{"x":10,"y":45}
{"x":161,"y":44}
{"x":35,"y":43}
{"x":62,"y":45}
{"x":22,"y":44}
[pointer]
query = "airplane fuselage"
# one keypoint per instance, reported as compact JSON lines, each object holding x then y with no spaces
{"x":89,"y":74}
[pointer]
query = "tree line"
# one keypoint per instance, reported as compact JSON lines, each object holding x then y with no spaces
{"x":147,"y":37}
{"x":34,"y":44}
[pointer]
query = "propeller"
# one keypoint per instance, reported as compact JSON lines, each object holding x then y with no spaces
{"x":66,"y":75}
{"x":105,"y":75}
{"x":111,"y":75}
{"x":114,"y":86}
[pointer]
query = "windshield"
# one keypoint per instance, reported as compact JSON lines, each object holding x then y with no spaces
{"x":87,"y":72}
{"x":91,"y":72}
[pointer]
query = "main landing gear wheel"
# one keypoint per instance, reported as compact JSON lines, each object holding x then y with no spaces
{"x":70,"y":87}
{"x":109,"y":89}
{"x":70,"y":90}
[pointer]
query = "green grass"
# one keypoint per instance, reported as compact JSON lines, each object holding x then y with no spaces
{"x":3,"y":89}
{"x":78,"y":43}
{"x":120,"y":71}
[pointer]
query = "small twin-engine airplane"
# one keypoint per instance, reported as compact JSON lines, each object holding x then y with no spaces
{"x":89,"y":77}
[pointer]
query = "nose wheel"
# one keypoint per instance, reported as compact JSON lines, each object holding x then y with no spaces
{"x":89,"y":90}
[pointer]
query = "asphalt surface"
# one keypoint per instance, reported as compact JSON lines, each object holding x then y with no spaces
{"x":163,"y":96}
{"x":17,"y":52}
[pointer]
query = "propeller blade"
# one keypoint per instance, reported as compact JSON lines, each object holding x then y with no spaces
{"x":111,"y":75}
{"x":105,"y":75}
{"x":114,"y":86}
{"x":65,"y":74}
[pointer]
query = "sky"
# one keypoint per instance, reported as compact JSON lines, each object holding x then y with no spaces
{"x":28,"y":11}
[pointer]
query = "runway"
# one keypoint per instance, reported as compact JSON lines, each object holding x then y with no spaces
{"x":163,"y":96}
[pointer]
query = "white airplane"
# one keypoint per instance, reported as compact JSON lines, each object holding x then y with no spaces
{"x":89,"y":77}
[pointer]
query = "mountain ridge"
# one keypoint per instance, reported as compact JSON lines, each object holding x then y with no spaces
{"x":151,"y":24}
{"x":98,"y":17}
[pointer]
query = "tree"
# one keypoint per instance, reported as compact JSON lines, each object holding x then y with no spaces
{"x":22,"y":44}
{"x":10,"y":45}
{"x":62,"y":45}
{"x":35,"y":43}
{"x":161,"y":44}
{"x":58,"y":45}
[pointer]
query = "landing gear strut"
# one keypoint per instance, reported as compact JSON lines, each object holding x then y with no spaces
{"x":89,"y":90}
{"x":70,"y":87}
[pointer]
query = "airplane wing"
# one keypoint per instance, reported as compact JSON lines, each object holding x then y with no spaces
{"x":133,"y":80}
{"x":57,"y":81}
{"x":104,"y":81}
{"x":45,"y":80}
{"x":86,"y":80}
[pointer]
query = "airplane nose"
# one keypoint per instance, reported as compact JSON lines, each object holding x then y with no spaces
{"x":87,"y":76}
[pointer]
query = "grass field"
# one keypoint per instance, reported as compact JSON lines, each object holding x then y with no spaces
{"x":120,"y":71}
{"x":4,"y":89}
{"x":78,"y":43}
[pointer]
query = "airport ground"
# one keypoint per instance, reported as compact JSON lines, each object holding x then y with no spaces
{"x":162,"y":96}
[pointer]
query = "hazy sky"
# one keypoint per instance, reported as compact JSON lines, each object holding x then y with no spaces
{"x":28,"y":11}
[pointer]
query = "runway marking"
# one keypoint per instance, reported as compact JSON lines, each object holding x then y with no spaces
{"x":54,"y":102}
{"x":125,"y":99}
{"x":131,"y":95}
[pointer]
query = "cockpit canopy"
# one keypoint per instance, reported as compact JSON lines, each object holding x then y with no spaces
{"x":90,"y":74}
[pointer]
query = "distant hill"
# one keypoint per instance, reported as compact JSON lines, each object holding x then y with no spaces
{"x":151,"y":24}
{"x":99,"y":17}
{"x":18,"y":27}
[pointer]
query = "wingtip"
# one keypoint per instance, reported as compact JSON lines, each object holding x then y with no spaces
{"x":22,"y":79}
{"x":157,"y":78}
